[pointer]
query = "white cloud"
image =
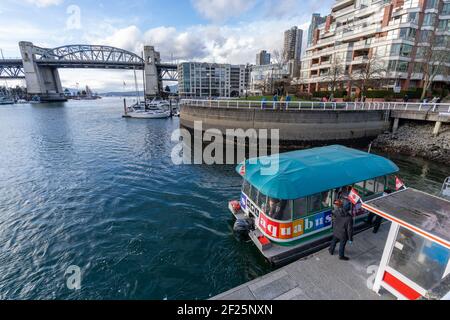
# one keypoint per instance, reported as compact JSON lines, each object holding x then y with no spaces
{"x":221,"y":10}
{"x":45,"y":3}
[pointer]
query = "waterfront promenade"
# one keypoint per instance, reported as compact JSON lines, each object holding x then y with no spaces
{"x":321,"y":276}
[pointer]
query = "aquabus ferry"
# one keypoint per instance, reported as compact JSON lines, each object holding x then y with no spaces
{"x":288,"y":213}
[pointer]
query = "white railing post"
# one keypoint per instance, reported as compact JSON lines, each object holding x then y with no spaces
{"x":346,"y":106}
{"x":299,"y":105}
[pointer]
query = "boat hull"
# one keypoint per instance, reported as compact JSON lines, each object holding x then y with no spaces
{"x":145,"y":115}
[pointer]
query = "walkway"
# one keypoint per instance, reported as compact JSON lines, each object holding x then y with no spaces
{"x":321,"y":276}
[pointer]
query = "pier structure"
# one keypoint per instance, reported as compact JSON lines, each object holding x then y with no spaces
{"x":321,"y":276}
{"x":39,"y":67}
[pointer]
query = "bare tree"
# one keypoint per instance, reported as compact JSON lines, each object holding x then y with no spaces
{"x":436,"y":57}
{"x":369,"y":75}
{"x":335,"y":74}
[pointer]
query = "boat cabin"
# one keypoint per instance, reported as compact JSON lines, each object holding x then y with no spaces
{"x":293,"y":201}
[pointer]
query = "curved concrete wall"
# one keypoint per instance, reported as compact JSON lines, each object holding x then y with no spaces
{"x":295,"y":126}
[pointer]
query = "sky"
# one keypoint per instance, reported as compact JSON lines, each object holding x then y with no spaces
{"x":222,"y":31}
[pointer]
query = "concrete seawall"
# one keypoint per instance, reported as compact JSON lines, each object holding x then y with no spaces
{"x":296,"y":127}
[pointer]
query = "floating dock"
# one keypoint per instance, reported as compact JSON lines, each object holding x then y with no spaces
{"x":321,"y":276}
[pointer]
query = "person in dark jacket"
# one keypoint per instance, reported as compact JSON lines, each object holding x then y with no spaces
{"x":342,"y":229}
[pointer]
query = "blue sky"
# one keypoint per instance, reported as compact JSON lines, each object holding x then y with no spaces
{"x":202,"y":30}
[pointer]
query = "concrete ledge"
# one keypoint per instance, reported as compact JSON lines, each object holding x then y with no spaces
{"x":304,"y":126}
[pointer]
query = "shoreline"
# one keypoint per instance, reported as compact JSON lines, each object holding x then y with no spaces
{"x":416,"y":139}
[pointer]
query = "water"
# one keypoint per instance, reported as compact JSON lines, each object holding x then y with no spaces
{"x":81,"y":186}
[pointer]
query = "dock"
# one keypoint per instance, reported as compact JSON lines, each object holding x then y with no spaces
{"x":321,"y":276}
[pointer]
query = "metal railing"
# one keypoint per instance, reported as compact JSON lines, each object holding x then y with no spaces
{"x":311,"y":105}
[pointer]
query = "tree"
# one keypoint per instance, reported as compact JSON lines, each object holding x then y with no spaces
{"x":435,"y":59}
{"x":335,"y":74}
{"x":280,"y":59}
{"x":167,"y":89}
{"x":369,"y":75}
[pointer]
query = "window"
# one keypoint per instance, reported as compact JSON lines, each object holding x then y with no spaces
{"x":446,"y":9}
{"x":432,"y":4}
{"x":280,"y":210}
{"x":253,"y":194}
{"x":246,"y":188}
{"x":429,"y":20}
{"x":380,"y":185}
{"x":398,"y":66}
{"x":262,"y":201}
{"x":319,"y":202}
{"x":407,"y":33}
{"x":419,"y":259}
{"x":413,"y":17}
{"x":314,"y":203}
{"x":425,"y":35}
{"x":300,"y":208}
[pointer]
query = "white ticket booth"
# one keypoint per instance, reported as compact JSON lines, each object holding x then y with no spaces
{"x":416,"y":258}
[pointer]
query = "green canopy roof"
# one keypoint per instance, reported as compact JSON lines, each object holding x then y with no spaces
{"x":307,"y":172}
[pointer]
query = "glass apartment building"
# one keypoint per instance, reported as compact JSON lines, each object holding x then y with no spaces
{"x":202,"y":80}
{"x":396,"y":37}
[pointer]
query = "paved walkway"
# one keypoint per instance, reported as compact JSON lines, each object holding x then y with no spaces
{"x":321,"y":276}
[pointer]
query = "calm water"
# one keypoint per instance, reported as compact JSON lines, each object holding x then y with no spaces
{"x":81,"y":186}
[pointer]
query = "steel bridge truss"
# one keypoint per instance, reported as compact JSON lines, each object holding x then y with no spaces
{"x":11,"y":69}
{"x":88,"y":56}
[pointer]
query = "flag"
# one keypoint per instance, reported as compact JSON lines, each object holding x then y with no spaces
{"x":354,"y":197}
{"x":399,"y":184}
{"x":242,"y":171}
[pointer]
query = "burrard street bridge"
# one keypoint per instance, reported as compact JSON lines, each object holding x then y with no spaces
{"x":39,"y":66}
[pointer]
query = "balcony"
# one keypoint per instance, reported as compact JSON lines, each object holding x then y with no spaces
{"x":360,"y":60}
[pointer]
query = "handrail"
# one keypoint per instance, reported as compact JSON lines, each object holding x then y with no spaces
{"x":314,"y":105}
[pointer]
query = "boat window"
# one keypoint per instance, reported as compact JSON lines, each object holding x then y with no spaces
{"x":327,"y":199}
{"x":380,"y":185}
{"x":315,"y":203}
{"x":300,"y":208}
{"x":262,"y":201}
{"x":253,"y":194}
{"x":390,"y":183}
{"x":246,"y":188}
{"x":370,"y":186}
{"x":279,"y":209}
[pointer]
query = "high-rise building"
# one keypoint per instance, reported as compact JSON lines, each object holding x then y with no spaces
{"x":395,"y":42}
{"x":262,"y":58}
{"x":201,"y":79}
{"x":292,"y":51}
{"x":316,"y":20}
{"x":293,"y":43}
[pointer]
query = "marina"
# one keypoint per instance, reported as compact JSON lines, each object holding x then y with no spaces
{"x":225,"y":159}
{"x":73,"y":178}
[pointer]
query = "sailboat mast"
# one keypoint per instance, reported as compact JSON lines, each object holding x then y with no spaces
{"x":136,"y":85}
{"x":143,"y":77}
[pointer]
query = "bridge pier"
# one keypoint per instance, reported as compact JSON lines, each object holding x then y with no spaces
{"x":153,"y":84}
{"x":41,"y":81}
{"x":437,"y":128}
{"x":396,"y":124}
